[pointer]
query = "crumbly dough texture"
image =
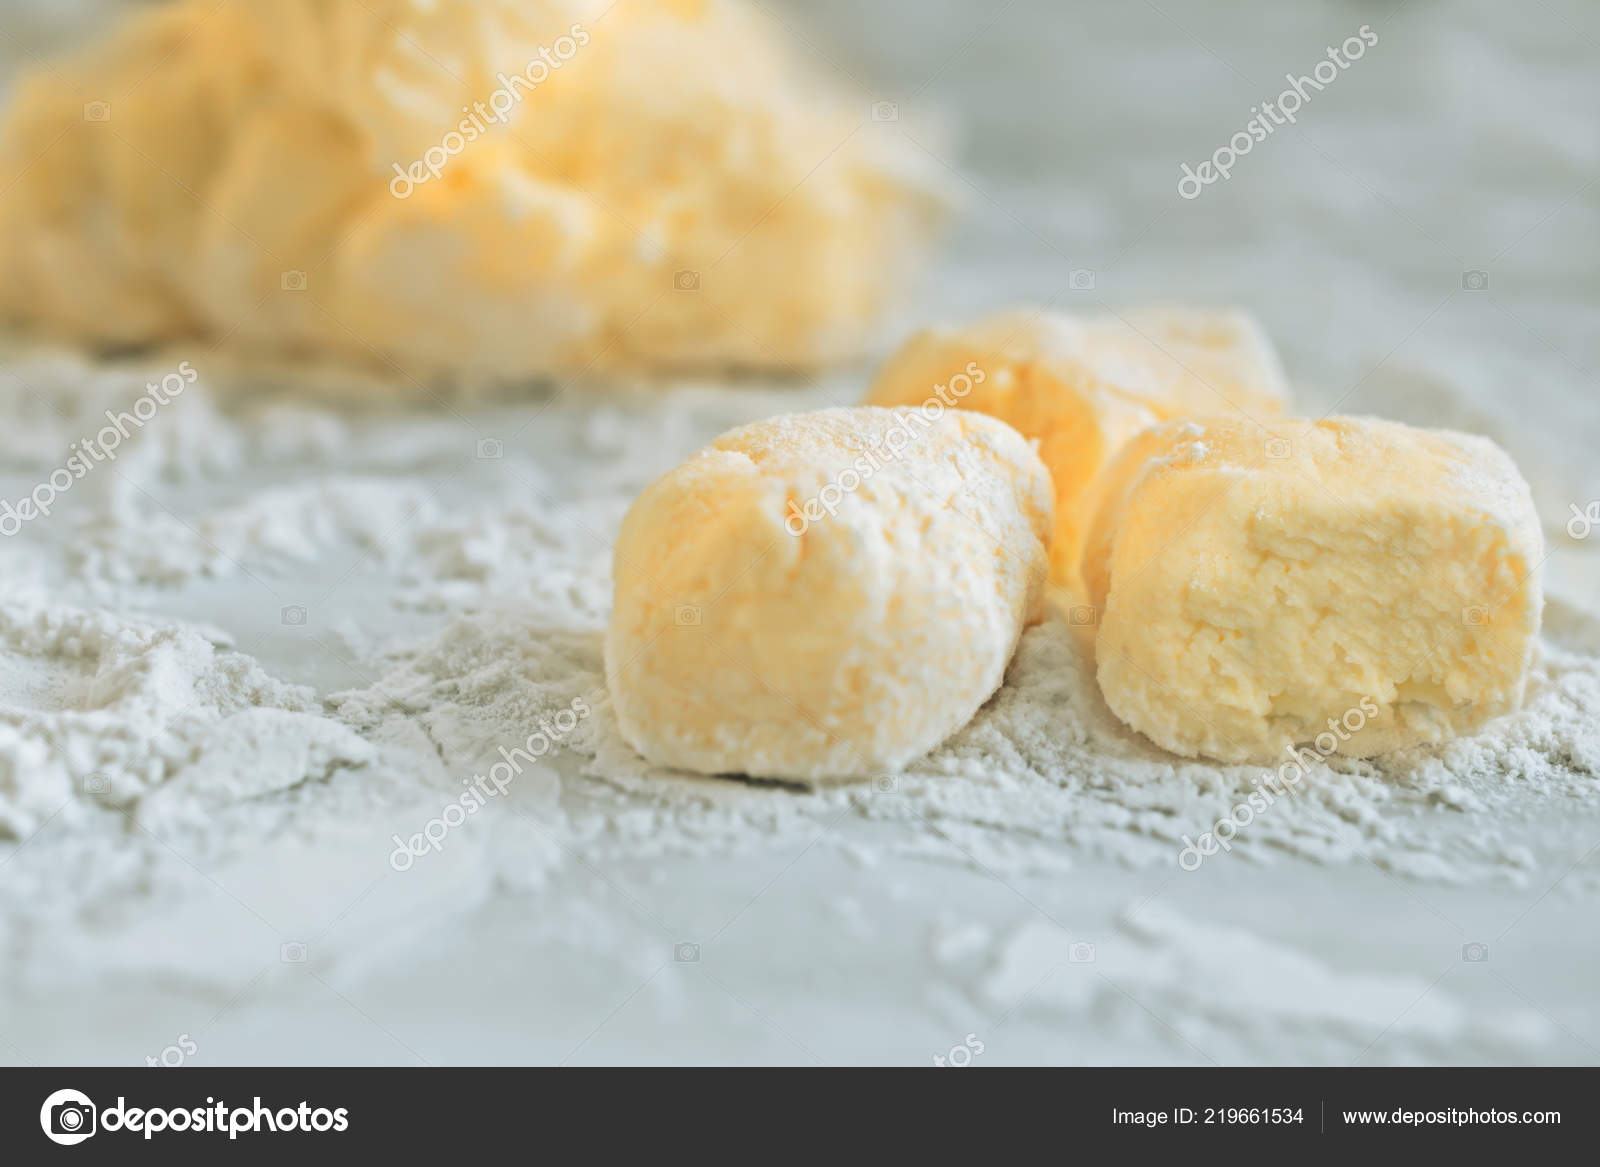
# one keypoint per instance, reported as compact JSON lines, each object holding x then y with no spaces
{"x":744,"y":640}
{"x":678,"y":193}
{"x":1083,"y":386}
{"x":1253,"y":582}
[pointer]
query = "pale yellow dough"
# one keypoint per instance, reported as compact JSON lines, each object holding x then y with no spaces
{"x":1254,"y":582}
{"x":1083,"y":386}
{"x":749,"y":639}
{"x":679,"y":192}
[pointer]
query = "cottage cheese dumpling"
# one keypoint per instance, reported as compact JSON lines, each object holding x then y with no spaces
{"x":486,"y":188}
{"x":1190,"y":361}
{"x":826,"y":594}
{"x":1082,"y":387}
{"x":1350,"y":585}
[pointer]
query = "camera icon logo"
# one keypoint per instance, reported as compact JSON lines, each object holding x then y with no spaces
{"x":293,"y":281}
{"x":1475,"y":617}
{"x":1475,"y":281}
{"x":1081,"y":279}
{"x":292,"y":952}
{"x":686,"y":616}
{"x":686,"y":280}
{"x":68,"y":1117}
{"x":1081,"y":953}
{"x":885,"y":111}
{"x":885,"y":784}
{"x":96,"y":783}
{"x":490,"y":449}
{"x":294,"y":616}
{"x":1083,"y":615}
{"x":685,"y":953}
{"x":1278,"y":450}
{"x":1476,"y":952}
{"x":97,"y":111}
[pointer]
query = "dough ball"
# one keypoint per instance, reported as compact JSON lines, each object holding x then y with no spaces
{"x":826,"y":594}
{"x":1083,"y":386}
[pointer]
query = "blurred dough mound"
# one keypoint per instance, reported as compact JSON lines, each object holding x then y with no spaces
{"x":649,"y":185}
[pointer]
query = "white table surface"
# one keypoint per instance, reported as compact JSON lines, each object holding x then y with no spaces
{"x":1466,"y":140}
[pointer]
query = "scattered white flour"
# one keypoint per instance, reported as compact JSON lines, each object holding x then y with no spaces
{"x":1179,"y":974}
{"x":138,"y":541}
{"x":53,"y":398}
{"x":143,"y":763}
{"x":149,"y":718}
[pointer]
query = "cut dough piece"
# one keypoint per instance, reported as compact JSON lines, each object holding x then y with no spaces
{"x":1353,"y":584}
{"x":1082,"y":387}
{"x":826,"y":594}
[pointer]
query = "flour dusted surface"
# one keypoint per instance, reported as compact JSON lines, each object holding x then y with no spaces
{"x":514,"y":587}
{"x":190,"y":780}
{"x":144,"y":717}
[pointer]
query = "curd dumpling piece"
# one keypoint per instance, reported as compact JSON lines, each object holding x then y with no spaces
{"x":477,"y":189}
{"x":1190,"y":361}
{"x":1082,"y":387}
{"x":825,"y":595}
{"x":1351,"y":585}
